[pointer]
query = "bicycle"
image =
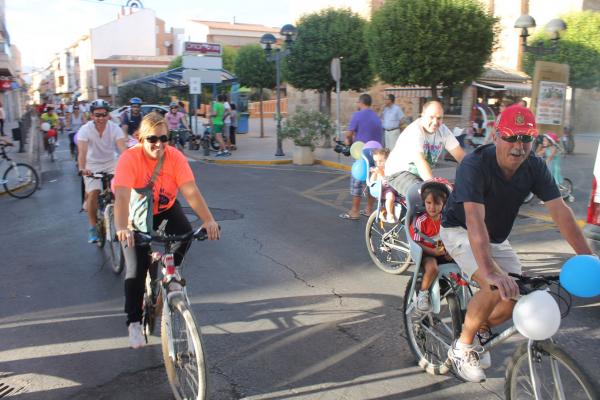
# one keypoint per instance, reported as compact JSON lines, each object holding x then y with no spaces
{"x":386,"y":243}
{"x":20,"y":179}
{"x":178,"y":138}
{"x":180,"y":335}
{"x":107,"y":232}
{"x":431,"y":334}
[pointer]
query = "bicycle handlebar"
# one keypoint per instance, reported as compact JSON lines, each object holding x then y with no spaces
{"x":528,"y":284}
{"x":199,"y":234}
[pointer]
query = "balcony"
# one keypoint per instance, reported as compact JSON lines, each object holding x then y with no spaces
{"x":7,"y":67}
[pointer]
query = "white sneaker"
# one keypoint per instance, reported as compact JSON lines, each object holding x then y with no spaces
{"x":136,"y":338}
{"x":423,"y":302}
{"x":466,"y":363}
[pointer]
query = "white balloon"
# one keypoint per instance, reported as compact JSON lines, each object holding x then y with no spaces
{"x":536,"y":315}
{"x":45,"y":126}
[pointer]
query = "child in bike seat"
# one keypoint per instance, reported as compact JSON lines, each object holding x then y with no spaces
{"x":388,"y":194}
{"x":425,"y":231}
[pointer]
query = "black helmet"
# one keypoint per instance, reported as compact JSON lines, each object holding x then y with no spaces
{"x":99,"y":103}
{"x":441,"y":183}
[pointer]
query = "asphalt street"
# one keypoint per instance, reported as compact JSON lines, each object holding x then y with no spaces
{"x":290,"y":304}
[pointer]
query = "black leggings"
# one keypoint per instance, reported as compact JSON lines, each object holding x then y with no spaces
{"x":138,"y":261}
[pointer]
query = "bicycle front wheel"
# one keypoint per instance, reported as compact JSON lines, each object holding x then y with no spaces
{"x":387,"y":245}
{"x":182,"y":351}
{"x":20,"y":180}
{"x":115,"y":252}
{"x":430,"y":335}
{"x":566,"y":188}
{"x":557,"y":375}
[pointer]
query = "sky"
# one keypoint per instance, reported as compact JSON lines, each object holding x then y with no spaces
{"x":41,"y":28}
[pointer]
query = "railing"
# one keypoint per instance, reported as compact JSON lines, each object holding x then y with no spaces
{"x":269,"y":107}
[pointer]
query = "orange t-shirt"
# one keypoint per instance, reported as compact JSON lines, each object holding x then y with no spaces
{"x":134,"y":170}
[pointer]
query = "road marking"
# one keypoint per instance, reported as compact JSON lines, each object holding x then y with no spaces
{"x":546,"y":217}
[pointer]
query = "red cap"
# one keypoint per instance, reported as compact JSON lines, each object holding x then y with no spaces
{"x":516,"y":120}
{"x":552,"y":137}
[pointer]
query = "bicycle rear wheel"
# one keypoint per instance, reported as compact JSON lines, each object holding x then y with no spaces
{"x":21,"y":180}
{"x":182,"y":351}
{"x":566,"y":189}
{"x":558,"y":375}
{"x":431,"y":335}
{"x":387,"y":245}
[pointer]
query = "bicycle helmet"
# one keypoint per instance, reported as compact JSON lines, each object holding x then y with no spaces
{"x":552,"y":137}
{"x":173,"y":104}
{"x":440,"y":183}
{"x":135,"y":100}
{"x":99,"y":104}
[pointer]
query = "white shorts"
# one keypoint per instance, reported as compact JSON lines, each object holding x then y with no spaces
{"x":456,"y":242}
{"x":92,"y":184}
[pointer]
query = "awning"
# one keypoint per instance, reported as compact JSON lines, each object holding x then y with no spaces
{"x":411,"y":91}
{"x":489,"y":86}
{"x":517,"y":89}
{"x":174,"y":79}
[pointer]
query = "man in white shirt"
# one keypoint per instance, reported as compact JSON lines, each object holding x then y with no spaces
{"x":391,"y":116}
{"x":419,"y":147}
{"x":97,"y":143}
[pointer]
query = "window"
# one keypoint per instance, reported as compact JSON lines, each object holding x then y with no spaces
{"x":453,"y":100}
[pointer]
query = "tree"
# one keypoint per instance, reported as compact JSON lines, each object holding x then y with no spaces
{"x":321,"y":37}
{"x":254,"y":70}
{"x":430,"y":42}
{"x":229,"y":56}
{"x":148,"y":93}
{"x":175,"y":63}
{"x":579,"y":47}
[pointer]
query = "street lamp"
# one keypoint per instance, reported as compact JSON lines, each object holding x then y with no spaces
{"x":113,"y":85}
{"x":268,"y":40}
{"x":553,"y":28}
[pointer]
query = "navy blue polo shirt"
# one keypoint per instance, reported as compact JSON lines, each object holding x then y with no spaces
{"x":480,"y":180}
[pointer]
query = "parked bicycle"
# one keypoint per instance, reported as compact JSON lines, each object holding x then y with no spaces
{"x":20,"y":179}
{"x":180,"y":335}
{"x":178,"y":138}
{"x":539,"y":369}
{"x":105,"y":224}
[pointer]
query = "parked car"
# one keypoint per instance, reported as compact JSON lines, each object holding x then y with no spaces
{"x":591,"y":230}
{"x":146,"y":108}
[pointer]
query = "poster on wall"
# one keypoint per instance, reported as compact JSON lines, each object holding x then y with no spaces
{"x":550,"y":103}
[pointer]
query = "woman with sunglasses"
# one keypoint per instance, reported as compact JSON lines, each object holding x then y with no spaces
{"x":134,"y":170}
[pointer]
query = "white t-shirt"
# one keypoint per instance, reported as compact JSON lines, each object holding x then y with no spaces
{"x":414,"y":140}
{"x":227,"y":119}
{"x":101,"y":150}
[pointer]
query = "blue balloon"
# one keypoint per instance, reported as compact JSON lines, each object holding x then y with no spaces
{"x":580,"y":276}
{"x":375,"y":189}
{"x":359,"y":170}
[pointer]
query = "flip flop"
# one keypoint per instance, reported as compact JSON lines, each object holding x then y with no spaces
{"x":348,"y":216}
{"x":365,"y":213}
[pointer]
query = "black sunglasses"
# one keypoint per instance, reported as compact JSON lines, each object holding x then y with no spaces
{"x":100,"y":115}
{"x":153,"y":139}
{"x":518,"y":138}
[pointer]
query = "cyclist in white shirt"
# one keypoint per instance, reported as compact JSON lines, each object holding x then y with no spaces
{"x":419,"y":148}
{"x":97,"y":143}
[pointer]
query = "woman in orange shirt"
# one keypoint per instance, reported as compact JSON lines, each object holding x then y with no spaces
{"x":134,"y":170}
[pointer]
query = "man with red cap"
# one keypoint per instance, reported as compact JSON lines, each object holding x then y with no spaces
{"x":491,"y":184}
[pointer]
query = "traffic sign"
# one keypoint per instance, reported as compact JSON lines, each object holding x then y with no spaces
{"x":195,"y":85}
{"x":336,"y":69}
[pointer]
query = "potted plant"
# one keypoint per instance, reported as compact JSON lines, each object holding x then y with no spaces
{"x":307,"y":129}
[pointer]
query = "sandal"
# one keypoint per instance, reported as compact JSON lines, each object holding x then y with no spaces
{"x":348,"y":216}
{"x":365,"y":213}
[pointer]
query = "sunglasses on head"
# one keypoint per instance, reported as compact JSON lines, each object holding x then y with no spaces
{"x":100,"y":115}
{"x":518,"y":138}
{"x":153,"y":139}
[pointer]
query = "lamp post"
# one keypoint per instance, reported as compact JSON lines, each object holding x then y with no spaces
{"x":113,"y":86}
{"x":288,"y":31}
{"x":554,"y":27}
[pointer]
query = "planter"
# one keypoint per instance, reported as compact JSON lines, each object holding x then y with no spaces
{"x":303,"y":155}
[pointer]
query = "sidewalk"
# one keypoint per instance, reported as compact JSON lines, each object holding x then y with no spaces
{"x":252,"y":149}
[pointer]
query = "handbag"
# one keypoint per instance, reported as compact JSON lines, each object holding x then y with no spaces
{"x":141,"y":203}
